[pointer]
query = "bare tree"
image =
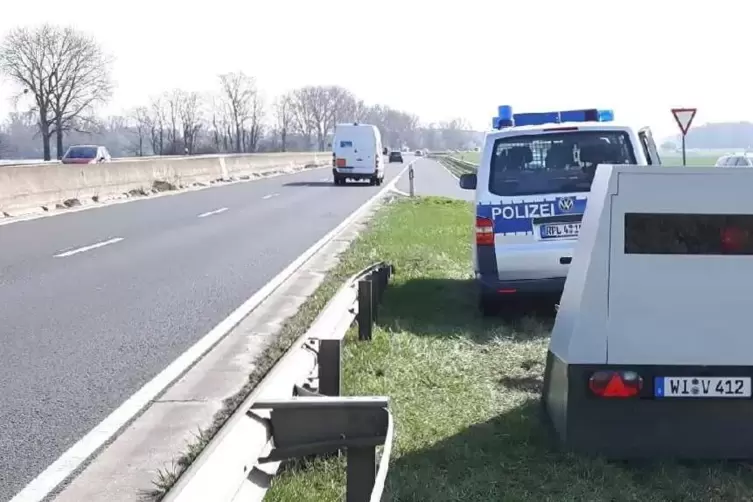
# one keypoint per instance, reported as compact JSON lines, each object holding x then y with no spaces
{"x":220,"y":124}
{"x":343,"y":105}
{"x":25,"y":60}
{"x":314,"y":110}
{"x":352,"y":109}
{"x":173,"y":103}
{"x":239,"y":91}
{"x":303,"y":114}
{"x":256,"y":123}
{"x":141,"y":123}
{"x":455,"y":133}
{"x":79,"y":78}
{"x":190,"y":117}
{"x":157,"y":126}
{"x":283,"y":118}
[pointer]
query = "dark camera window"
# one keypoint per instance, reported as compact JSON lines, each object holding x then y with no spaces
{"x":689,"y":234}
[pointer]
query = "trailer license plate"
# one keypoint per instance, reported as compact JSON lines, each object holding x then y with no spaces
{"x":703,"y":387}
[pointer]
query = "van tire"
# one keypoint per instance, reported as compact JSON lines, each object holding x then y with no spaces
{"x":379,"y":181}
{"x":373,"y":181}
{"x":339,"y":181}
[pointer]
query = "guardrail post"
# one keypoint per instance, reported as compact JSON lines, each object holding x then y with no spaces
{"x":361,"y":473}
{"x":376,"y":292}
{"x":365,"y":309}
{"x":410,"y":180}
{"x":330,"y":367}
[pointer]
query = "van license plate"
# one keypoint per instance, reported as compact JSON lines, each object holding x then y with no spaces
{"x":704,"y":387}
{"x":559,"y":230}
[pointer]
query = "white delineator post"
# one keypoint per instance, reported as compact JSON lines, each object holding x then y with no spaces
{"x":410,"y":179}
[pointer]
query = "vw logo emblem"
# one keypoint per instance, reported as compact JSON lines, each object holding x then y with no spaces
{"x":565,"y":204}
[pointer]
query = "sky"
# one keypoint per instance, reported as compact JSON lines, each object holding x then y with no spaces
{"x":439,"y":60}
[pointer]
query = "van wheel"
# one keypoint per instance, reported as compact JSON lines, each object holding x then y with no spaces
{"x":379,"y":181}
{"x":373,"y":181}
{"x":339,"y":181}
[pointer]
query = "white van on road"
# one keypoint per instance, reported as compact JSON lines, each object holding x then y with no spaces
{"x":357,"y":154}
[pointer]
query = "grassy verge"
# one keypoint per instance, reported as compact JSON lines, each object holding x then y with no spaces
{"x":465,"y":390}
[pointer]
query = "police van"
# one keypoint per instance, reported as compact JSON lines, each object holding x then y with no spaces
{"x":532,"y":187}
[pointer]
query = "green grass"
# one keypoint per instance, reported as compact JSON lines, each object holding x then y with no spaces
{"x":464,"y":390}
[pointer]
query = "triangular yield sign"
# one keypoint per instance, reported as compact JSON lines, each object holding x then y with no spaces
{"x":684,"y":117}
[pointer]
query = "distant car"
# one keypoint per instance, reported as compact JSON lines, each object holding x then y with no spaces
{"x":86,"y":154}
{"x":419,"y":153}
{"x":735,"y":160}
{"x":396,"y":156}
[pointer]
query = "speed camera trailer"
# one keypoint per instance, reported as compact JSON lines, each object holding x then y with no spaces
{"x":651,"y":354}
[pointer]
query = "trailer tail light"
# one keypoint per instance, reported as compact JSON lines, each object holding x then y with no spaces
{"x":615,"y":384}
{"x":484,"y":231}
{"x":733,"y":239}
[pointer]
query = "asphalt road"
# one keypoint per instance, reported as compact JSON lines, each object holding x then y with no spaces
{"x":94,"y":304}
{"x":430,"y":178}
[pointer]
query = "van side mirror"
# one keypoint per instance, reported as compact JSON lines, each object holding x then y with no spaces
{"x":468,"y":181}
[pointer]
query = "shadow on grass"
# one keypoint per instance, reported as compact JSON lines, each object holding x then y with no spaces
{"x":449,"y":307}
{"x":513,"y":457}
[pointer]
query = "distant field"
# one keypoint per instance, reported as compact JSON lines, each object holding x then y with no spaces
{"x":669,"y":160}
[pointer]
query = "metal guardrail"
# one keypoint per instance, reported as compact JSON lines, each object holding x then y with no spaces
{"x":297,"y":411}
{"x":457,"y":166}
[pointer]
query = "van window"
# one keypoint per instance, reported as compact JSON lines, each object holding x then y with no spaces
{"x":554,"y":163}
{"x":346,"y":144}
{"x":81,"y":152}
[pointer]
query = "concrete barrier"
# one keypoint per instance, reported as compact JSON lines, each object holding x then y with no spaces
{"x":28,"y":188}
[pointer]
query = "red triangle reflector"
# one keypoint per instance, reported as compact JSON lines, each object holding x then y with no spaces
{"x":616,"y":388}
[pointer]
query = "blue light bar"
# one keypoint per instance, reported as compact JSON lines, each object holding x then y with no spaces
{"x":507,"y":119}
{"x":526,"y":119}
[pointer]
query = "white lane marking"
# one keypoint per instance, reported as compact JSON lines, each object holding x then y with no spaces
{"x":325,"y":179}
{"x":210,"y":213}
{"x":88,"y":248}
{"x":269,"y":196}
{"x":41,"y":486}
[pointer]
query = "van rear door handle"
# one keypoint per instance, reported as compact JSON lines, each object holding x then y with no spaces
{"x":565,"y":260}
